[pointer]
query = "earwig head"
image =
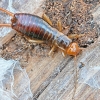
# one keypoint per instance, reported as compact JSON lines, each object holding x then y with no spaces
{"x":73,"y":49}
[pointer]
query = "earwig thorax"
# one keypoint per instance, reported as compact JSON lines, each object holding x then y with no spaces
{"x":63,"y":41}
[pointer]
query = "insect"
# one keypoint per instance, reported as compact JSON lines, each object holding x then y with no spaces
{"x":37,"y":30}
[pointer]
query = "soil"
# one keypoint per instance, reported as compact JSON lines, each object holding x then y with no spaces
{"x":18,"y":48}
{"x":74,"y":14}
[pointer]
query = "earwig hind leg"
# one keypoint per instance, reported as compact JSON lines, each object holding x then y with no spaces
{"x":75,"y":36}
{"x":52,"y":49}
{"x":34,"y":40}
{"x":59,"y":26}
{"x":46,"y":18}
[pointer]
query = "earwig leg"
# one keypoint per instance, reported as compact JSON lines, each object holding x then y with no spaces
{"x":34,"y":40}
{"x":5,"y":25}
{"x":52,"y":49}
{"x":75,"y":36}
{"x":59,"y":26}
{"x":64,"y":54}
{"x":59,"y":47}
{"x":62,"y":50}
{"x":46,"y":18}
{"x":66,"y":30}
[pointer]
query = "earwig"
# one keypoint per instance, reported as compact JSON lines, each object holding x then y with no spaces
{"x":38,"y":30}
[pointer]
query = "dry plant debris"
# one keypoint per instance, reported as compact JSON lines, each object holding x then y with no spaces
{"x":20,"y":49}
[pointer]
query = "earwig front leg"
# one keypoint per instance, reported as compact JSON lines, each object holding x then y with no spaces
{"x":52,"y":49}
{"x":34,"y":40}
{"x":46,"y":18}
{"x":62,"y":51}
{"x":64,"y":54}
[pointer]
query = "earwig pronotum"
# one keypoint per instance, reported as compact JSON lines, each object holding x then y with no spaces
{"x":38,"y":30}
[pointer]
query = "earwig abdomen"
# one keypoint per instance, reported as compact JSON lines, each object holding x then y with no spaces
{"x":32,"y":26}
{"x":36,"y":28}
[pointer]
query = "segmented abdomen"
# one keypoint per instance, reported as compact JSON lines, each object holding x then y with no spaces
{"x":36,"y":28}
{"x":33,"y":27}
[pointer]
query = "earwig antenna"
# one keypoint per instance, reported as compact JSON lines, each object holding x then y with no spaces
{"x":7,"y":12}
{"x":75,"y":77}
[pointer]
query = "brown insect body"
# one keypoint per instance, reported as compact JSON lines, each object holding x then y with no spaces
{"x":36,"y":28}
